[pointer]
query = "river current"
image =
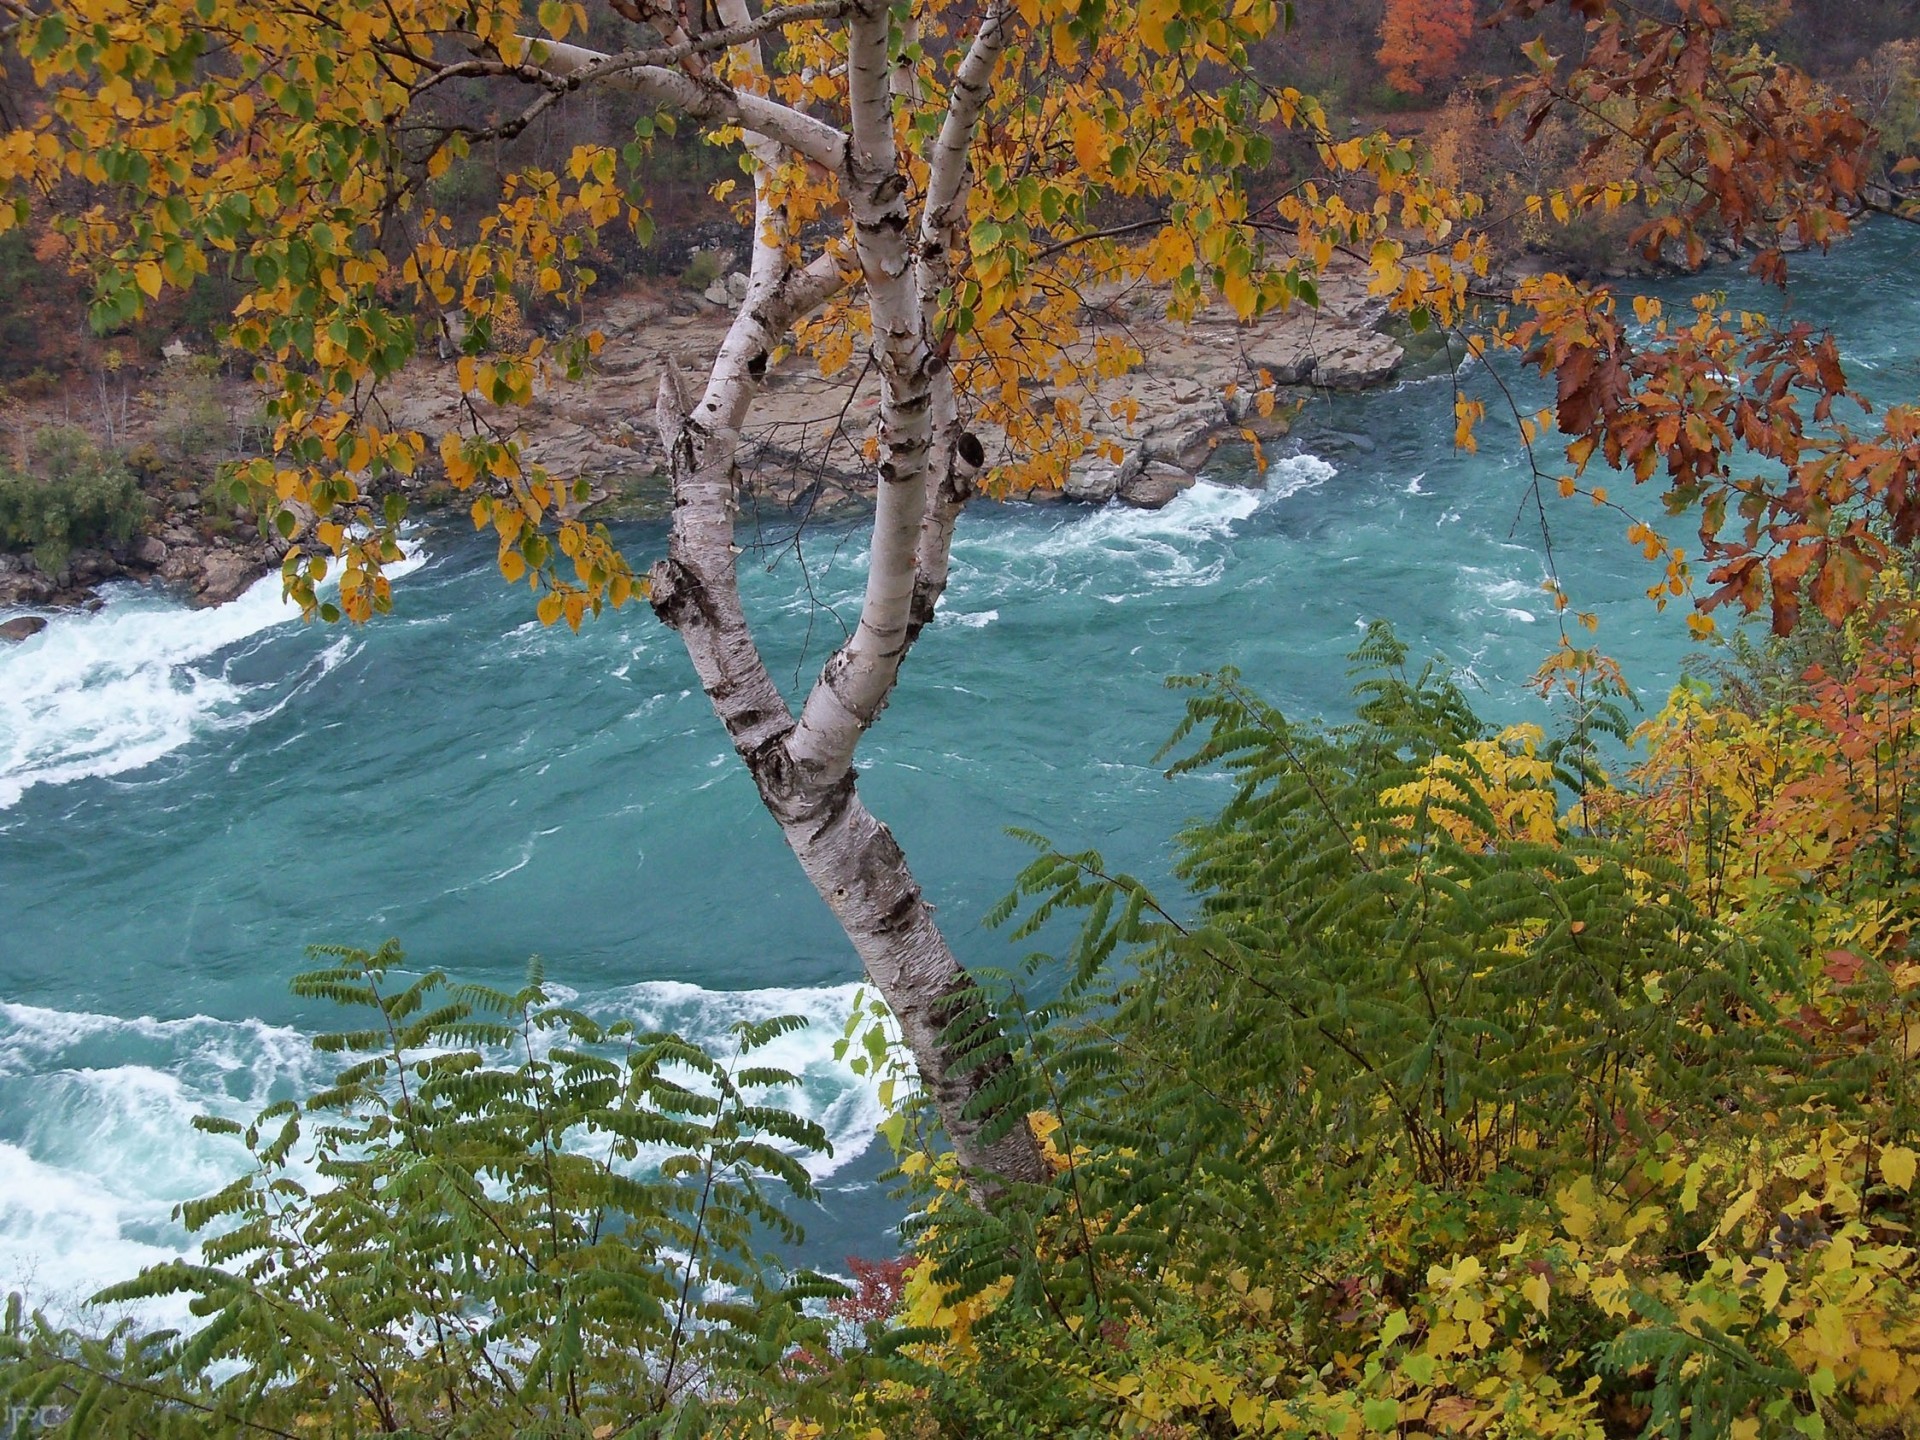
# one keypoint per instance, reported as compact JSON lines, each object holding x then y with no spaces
{"x":188,"y":798}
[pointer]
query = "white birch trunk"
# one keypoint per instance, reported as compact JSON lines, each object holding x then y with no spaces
{"x":804,"y":769}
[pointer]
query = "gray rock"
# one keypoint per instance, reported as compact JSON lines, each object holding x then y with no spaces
{"x":89,"y":567}
{"x":1155,"y":486}
{"x":1285,"y":357}
{"x":1355,"y":359}
{"x":151,"y":551}
{"x":224,"y":575}
{"x":21,"y":628}
{"x":1184,"y":438}
{"x":1093,"y":483}
{"x":736,"y":286}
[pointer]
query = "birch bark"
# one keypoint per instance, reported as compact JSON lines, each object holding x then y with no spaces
{"x":804,"y":768}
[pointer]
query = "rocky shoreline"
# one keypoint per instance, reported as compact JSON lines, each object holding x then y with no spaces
{"x":1198,"y":384}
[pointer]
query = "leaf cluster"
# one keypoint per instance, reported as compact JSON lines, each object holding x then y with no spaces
{"x":501,"y":1217}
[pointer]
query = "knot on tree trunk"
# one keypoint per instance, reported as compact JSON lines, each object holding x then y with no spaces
{"x":793,"y":794}
{"x":673,"y":592}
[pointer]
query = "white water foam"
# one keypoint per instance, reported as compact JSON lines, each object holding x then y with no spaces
{"x":1494,"y":594}
{"x":1178,"y":546}
{"x":103,"y":693}
{"x":1188,"y":543}
{"x":1291,"y":474}
{"x":98,"y":1144}
{"x":114,"y":690}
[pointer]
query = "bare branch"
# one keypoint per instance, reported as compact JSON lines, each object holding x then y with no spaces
{"x":700,"y":98}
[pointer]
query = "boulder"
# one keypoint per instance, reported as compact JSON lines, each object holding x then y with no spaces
{"x":1184,"y":437}
{"x":1093,"y":482}
{"x":224,"y":575}
{"x":1155,"y":486}
{"x":21,"y":627}
{"x":151,"y":551}
{"x":1286,"y":357}
{"x":87,"y":567}
{"x":1354,"y":359}
{"x":24,"y":583}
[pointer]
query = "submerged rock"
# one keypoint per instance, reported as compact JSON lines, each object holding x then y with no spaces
{"x":21,"y":628}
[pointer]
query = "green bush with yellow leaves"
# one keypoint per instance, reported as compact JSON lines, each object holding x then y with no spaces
{"x":1469,"y":1095}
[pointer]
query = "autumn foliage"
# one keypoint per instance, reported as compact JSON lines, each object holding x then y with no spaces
{"x":1422,"y":41}
{"x":1481,"y":1084}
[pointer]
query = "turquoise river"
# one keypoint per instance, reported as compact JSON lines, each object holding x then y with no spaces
{"x":187,"y":798}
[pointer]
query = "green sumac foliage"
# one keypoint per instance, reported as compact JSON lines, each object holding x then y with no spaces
{"x":502,"y":1218}
{"x":1410,"y":1024}
{"x":73,"y":493}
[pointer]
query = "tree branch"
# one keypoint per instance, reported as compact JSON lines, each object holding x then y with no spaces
{"x":855,"y":682}
{"x":700,"y":98}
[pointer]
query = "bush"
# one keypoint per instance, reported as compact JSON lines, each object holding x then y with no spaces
{"x":73,"y":493}
{"x":1436,"y":1108}
{"x":192,"y":415}
{"x":703,"y":268}
{"x":527,"y":1223}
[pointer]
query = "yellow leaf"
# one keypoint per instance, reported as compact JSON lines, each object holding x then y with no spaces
{"x":1897,"y":1166}
{"x":1538,"y":1291}
{"x":147,"y":276}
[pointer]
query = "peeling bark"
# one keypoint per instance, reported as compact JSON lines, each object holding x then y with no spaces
{"x":803,"y":767}
{"x":851,"y":858}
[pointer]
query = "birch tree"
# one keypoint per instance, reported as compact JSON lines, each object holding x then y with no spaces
{"x":937,"y":182}
{"x":942,"y":184}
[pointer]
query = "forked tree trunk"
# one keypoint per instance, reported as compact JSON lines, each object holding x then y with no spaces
{"x":803,"y":765}
{"x":850,"y":857}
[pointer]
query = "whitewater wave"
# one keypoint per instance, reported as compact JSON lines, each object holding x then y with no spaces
{"x":114,"y":690}
{"x":102,"y":693}
{"x":846,"y":1106}
{"x":97,"y":1145}
{"x":1291,"y":474}
{"x":1489,"y":593}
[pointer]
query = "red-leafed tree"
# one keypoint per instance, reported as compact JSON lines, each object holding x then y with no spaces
{"x":1422,"y":41}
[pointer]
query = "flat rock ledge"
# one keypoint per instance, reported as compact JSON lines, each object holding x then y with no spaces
{"x":1199,"y":383}
{"x":207,"y":572}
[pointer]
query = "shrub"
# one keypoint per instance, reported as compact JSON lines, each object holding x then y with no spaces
{"x":73,"y":493}
{"x":526,"y":1223}
{"x":1433,"y":1109}
{"x":703,"y":268}
{"x":192,"y":415}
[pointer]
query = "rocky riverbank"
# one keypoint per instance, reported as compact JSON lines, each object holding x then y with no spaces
{"x":1198,"y":383}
